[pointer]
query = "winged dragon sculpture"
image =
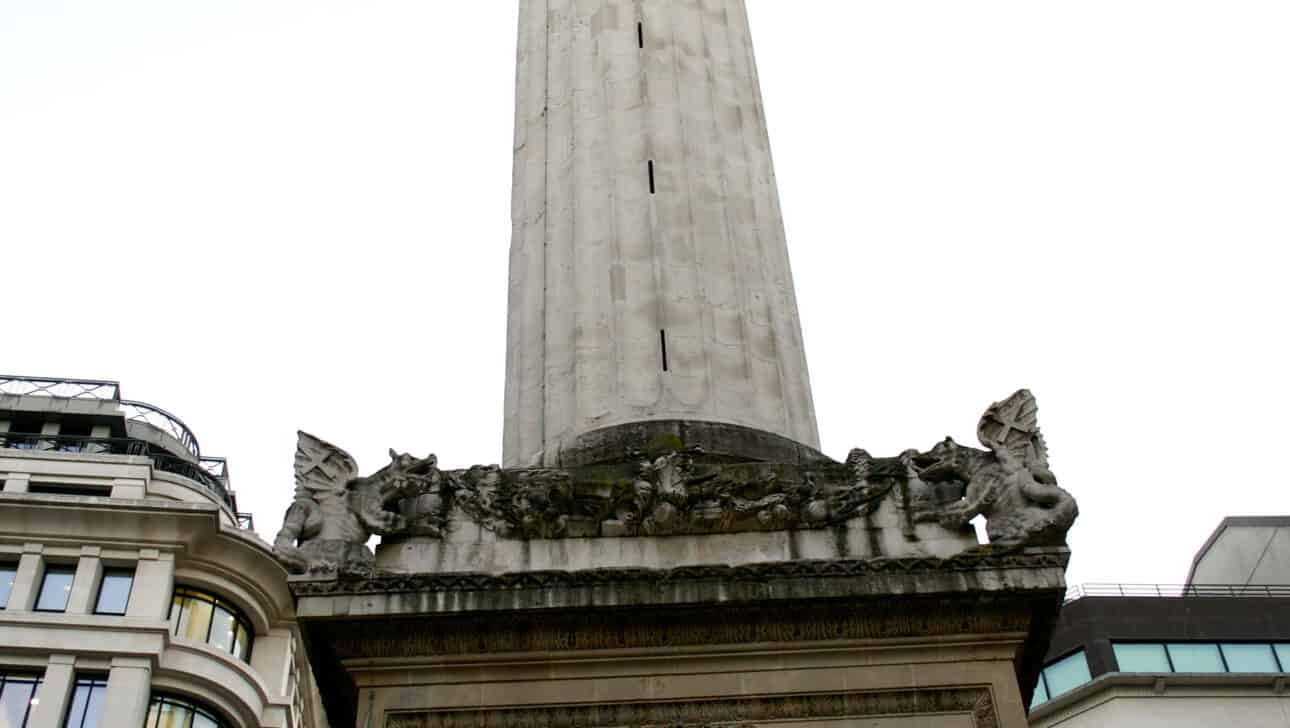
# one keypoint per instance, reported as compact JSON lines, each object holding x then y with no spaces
{"x":1011,"y":484}
{"x":335,"y":511}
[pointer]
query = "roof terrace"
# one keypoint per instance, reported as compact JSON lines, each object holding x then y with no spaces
{"x":88,"y":416}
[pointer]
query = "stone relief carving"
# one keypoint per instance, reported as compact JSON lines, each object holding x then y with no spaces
{"x":734,"y":712}
{"x":1010,"y":484}
{"x":335,"y":512}
{"x":679,"y":491}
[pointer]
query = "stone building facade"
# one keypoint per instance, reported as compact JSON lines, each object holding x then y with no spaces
{"x":132,"y":592}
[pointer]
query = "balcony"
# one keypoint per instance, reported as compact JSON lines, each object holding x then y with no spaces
{"x":121,"y":427}
{"x":106,"y":391}
{"x":209,"y":473}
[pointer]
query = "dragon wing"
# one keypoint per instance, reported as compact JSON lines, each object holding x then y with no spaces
{"x":1013,"y":426}
{"x":321,"y":466}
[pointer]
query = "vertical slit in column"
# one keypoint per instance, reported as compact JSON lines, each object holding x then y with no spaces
{"x":651,"y":176}
{"x":662,"y":341}
{"x":640,"y":34}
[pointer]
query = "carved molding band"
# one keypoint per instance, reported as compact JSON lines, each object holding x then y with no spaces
{"x":744,"y":711}
{"x":982,"y":560}
{"x":668,"y":628}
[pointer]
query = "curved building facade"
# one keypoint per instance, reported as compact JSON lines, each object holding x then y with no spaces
{"x":132,"y":592}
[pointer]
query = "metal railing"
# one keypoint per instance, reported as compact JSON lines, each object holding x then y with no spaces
{"x":165,"y":462}
{"x":216,"y":467}
{"x":1177,"y":590}
{"x":162,"y":420}
{"x":193,"y":471}
{"x":60,"y":387}
{"x":104,"y":390}
{"x":70,"y":443}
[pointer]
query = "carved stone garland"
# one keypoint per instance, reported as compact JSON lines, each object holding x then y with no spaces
{"x":678,"y":492}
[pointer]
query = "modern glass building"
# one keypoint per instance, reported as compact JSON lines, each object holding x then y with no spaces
{"x":1212,"y":652}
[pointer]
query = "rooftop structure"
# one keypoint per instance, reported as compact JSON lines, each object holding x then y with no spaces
{"x":1197,"y":654}
{"x":1245,"y":550}
{"x":65,"y":417}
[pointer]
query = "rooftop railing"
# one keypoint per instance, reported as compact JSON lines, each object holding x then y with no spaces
{"x":196,"y":472}
{"x":1177,"y":590}
{"x":59,"y":387}
{"x":162,"y":420}
{"x":104,"y":390}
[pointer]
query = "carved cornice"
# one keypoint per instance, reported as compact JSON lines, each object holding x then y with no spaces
{"x":983,"y":559}
{"x":742,"y":711}
{"x":675,"y":627}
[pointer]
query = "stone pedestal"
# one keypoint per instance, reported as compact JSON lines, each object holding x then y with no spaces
{"x":904,"y":640}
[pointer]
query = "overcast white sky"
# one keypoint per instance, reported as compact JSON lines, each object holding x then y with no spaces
{"x":265,"y":216}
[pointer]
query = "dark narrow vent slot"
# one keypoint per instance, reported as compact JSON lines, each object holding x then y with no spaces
{"x":662,"y":340}
{"x":640,"y":34}
{"x":651,"y":177}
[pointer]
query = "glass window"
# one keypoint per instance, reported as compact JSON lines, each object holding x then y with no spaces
{"x":203,"y":617}
{"x":223,"y":629}
{"x":87,"y":703}
{"x":1283,"y":656}
{"x":1195,"y":658}
{"x":168,"y":711}
{"x":1041,"y":694}
{"x":7,"y":574}
{"x":16,"y":694}
{"x":55,"y":588}
{"x":1249,"y":658}
{"x":1141,"y":658}
{"x":1067,"y":674}
{"x":114,"y":591}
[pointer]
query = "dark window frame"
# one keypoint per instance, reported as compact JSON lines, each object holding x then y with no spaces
{"x":6,"y":567}
{"x":91,"y":683}
{"x":187,"y":593}
{"x":25,"y":678}
{"x":98,"y":598}
{"x":197,"y":708}
{"x":56,"y":568}
{"x":1043,"y":676}
{"x":1282,"y":666}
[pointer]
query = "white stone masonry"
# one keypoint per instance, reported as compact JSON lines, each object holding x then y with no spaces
{"x":649,"y":274}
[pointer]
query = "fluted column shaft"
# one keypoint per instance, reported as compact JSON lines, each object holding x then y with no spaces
{"x":649,"y":275}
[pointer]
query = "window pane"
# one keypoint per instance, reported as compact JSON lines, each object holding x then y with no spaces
{"x":1249,"y":658}
{"x":1067,"y":674}
{"x":80,"y":699}
{"x":1195,"y":658}
{"x":201,"y":721}
{"x":87,"y":703}
{"x":15,"y":699}
{"x":173,"y":716}
{"x":114,"y":592}
{"x":194,"y":620}
{"x":55,"y":588}
{"x":95,"y":710}
{"x":1141,"y":658}
{"x":1283,"y":654}
{"x":223,"y":630}
{"x":1041,"y":694}
{"x":242,"y":648}
{"x":7,"y":574}
{"x":176,"y":610}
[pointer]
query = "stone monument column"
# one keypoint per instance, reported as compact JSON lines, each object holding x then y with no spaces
{"x":649,"y":274}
